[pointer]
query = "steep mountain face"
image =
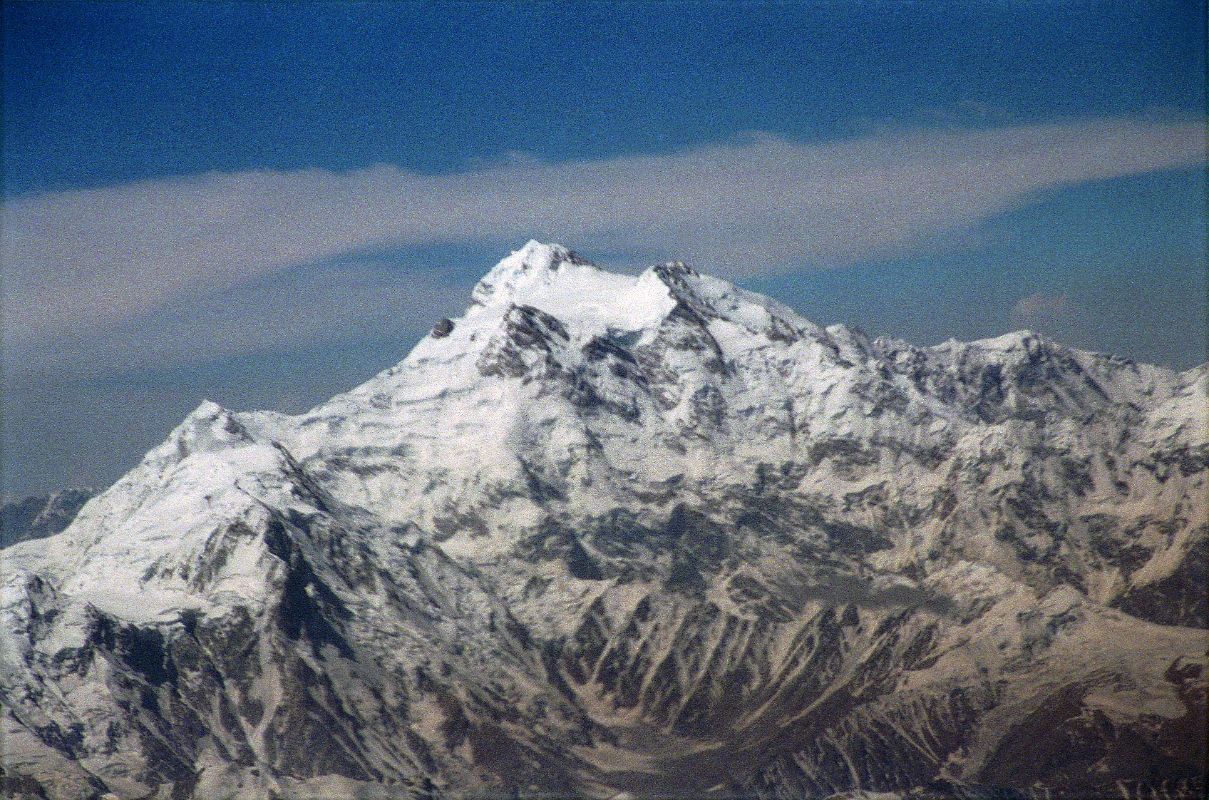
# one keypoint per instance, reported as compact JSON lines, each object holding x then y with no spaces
{"x":638,"y":536}
{"x":39,"y":516}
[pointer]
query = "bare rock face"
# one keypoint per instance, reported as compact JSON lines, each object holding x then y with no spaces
{"x":646,"y":536}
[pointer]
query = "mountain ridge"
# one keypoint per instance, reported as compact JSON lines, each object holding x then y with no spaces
{"x":650,"y":534}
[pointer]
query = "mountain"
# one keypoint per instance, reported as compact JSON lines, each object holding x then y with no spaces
{"x":631,"y":536}
{"x":39,"y":516}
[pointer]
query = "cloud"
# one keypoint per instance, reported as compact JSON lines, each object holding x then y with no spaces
{"x":77,"y":262}
{"x":1041,"y":309}
{"x":299,"y":309}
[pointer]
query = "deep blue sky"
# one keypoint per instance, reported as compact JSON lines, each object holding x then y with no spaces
{"x":101,"y":95}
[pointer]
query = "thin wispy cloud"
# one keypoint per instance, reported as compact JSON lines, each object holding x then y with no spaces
{"x":309,"y":308}
{"x":82,"y":261}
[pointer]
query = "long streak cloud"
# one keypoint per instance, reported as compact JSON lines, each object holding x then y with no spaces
{"x":76,"y":261}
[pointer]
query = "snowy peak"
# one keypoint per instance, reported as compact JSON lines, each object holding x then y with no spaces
{"x":688,"y":348}
{"x":588,"y":300}
{"x":207,"y":428}
{"x":592,"y":302}
{"x":535,"y":263}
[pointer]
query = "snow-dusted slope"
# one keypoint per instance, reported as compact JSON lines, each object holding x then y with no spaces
{"x":650,"y":534}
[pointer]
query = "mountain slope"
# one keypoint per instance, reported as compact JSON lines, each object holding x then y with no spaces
{"x":649,"y":534}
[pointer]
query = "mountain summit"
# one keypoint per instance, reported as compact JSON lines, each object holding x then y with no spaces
{"x":649,"y":535}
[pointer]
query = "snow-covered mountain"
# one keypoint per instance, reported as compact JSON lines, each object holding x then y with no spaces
{"x":608,"y":535}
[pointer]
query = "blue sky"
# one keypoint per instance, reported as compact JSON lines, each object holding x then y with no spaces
{"x":265,"y":203}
